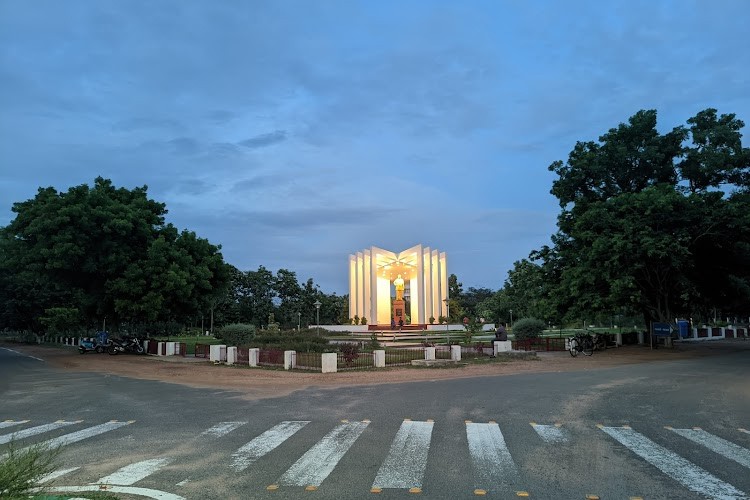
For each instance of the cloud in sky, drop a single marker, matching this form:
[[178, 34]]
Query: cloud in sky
[[294, 133]]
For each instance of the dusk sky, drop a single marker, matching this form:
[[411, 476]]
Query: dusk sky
[[294, 133]]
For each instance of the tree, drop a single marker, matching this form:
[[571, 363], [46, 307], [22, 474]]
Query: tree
[[105, 252], [644, 216]]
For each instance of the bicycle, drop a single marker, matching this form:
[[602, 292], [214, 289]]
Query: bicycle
[[582, 342]]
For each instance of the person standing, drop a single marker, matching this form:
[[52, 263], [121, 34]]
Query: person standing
[[500, 333]]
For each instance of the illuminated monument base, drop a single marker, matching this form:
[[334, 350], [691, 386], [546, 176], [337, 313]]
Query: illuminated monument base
[[418, 275]]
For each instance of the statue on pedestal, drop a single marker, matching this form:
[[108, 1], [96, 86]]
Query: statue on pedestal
[[399, 283]]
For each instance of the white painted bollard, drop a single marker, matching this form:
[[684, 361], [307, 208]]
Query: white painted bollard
[[723, 333], [456, 352], [695, 332], [640, 338], [215, 353], [618, 339], [170, 348], [290, 359], [328, 362], [254, 355], [502, 346], [231, 355], [159, 348], [429, 353], [145, 345], [378, 358]]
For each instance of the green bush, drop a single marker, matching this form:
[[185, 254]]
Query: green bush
[[290, 340], [236, 334], [528, 328], [22, 470]]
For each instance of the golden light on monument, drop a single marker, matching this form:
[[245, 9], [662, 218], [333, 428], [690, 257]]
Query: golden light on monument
[[418, 275]]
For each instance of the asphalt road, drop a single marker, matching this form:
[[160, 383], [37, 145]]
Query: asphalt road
[[669, 430]]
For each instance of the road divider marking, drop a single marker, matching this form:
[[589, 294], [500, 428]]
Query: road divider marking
[[131, 474], [222, 429], [406, 462], [684, 472], [551, 433], [266, 442], [128, 490], [717, 445], [319, 461], [493, 464], [33, 431], [22, 354]]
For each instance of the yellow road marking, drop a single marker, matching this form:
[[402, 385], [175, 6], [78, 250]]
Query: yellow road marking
[[311, 488], [415, 490], [480, 492], [272, 487], [376, 490]]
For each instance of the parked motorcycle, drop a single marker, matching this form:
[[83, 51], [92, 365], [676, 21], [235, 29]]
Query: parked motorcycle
[[125, 344]]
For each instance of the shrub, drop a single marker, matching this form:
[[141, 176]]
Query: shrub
[[21, 471], [442, 320], [237, 334], [432, 320], [528, 328], [356, 319], [350, 352], [363, 321], [290, 340]]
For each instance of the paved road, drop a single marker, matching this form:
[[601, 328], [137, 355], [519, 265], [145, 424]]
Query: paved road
[[670, 430]]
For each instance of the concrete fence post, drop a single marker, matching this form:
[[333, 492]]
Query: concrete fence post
[[171, 348], [145, 345], [456, 352], [231, 355], [253, 356], [618, 339], [723, 333], [502, 346], [328, 362], [378, 358], [290, 359], [160, 348], [429, 353], [695, 332], [215, 352], [640, 338]]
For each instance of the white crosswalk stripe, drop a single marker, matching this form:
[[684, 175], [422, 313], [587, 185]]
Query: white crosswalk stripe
[[686, 473], [493, 464], [315, 465], [33, 431], [551, 433], [131, 474], [269, 440], [58, 473], [717, 445], [74, 437], [405, 465], [222, 429], [11, 423]]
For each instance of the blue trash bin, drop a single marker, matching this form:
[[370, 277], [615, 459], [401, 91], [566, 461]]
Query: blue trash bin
[[683, 327]]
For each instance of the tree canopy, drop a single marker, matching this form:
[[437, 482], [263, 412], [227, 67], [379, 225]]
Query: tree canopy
[[653, 223], [96, 253]]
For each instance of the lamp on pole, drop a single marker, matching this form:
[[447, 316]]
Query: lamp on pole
[[299, 320], [511, 318], [447, 320], [317, 305]]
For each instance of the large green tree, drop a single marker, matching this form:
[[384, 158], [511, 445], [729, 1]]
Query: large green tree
[[105, 252], [653, 223]]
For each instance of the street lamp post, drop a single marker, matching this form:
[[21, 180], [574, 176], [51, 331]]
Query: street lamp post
[[511, 318], [299, 321], [447, 320], [317, 305]]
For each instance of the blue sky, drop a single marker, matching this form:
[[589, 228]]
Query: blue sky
[[294, 133]]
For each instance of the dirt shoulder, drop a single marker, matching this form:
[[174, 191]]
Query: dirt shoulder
[[260, 383]]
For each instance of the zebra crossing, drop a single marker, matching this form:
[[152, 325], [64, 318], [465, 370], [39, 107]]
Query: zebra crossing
[[494, 463]]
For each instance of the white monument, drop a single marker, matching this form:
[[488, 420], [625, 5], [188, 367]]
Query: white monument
[[419, 274]]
